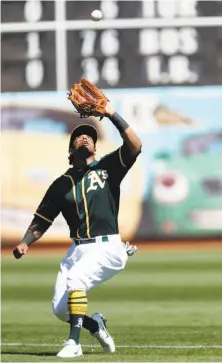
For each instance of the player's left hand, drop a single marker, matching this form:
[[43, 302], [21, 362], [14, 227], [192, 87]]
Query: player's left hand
[[88, 99], [110, 110]]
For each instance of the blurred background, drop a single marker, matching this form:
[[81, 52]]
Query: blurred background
[[160, 63]]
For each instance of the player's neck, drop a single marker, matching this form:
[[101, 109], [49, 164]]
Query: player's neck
[[81, 164], [90, 159]]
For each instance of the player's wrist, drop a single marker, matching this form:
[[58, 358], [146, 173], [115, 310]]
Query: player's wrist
[[29, 238], [119, 122], [110, 110], [110, 114]]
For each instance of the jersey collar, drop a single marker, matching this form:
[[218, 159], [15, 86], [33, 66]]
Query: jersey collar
[[89, 166]]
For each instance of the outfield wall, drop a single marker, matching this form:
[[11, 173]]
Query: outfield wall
[[173, 191]]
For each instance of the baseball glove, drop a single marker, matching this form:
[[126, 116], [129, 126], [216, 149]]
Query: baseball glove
[[87, 99]]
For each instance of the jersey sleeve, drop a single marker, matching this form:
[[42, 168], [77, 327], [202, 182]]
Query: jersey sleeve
[[118, 163], [50, 206]]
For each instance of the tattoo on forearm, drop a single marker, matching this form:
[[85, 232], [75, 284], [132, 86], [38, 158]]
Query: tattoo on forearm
[[33, 227], [35, 231], [29, 237]]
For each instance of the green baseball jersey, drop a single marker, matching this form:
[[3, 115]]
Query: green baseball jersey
[[89, 199]]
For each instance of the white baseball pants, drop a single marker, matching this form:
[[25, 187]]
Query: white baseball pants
[[86, 266]]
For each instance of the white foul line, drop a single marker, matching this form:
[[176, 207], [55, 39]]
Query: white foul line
[[121, 346]]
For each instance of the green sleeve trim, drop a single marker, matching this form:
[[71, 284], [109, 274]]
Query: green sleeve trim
[[120, 158], [46, 219]]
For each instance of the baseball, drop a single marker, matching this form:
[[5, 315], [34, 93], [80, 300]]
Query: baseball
[[96, 15]]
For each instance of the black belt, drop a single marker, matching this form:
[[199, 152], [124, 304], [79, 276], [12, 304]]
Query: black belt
[[89, 240]]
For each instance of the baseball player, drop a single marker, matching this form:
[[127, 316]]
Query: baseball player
[[87, 195]]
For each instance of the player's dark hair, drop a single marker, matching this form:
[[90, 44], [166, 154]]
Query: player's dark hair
[[71, 140], [70, 158]]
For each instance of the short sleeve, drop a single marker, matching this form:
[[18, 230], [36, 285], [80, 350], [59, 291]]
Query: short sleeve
[[50, 206], [118, 163]]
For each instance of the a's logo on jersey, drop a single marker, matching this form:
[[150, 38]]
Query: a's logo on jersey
[[97, 179]]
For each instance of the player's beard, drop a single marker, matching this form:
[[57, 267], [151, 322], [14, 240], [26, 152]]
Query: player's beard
[[80, 157]]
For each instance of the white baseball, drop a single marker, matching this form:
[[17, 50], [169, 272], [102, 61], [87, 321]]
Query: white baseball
[[96, 15]]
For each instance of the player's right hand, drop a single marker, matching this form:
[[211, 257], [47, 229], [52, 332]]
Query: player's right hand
[[20, 250], [130, 249]]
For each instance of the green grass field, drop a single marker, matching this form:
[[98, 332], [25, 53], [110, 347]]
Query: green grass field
[[165, 306]]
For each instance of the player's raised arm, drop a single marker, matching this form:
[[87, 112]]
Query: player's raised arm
[[89, 100], [127, 133]]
